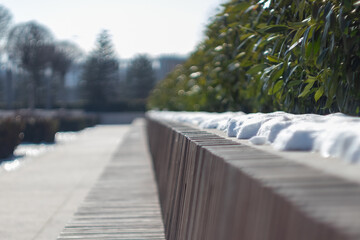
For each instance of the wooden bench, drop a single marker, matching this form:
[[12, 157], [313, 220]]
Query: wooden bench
[[214, 188]]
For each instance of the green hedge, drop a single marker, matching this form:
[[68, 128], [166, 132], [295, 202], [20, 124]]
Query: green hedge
[[38, 126], [10, 135], [40, 129], [298, 56], [76, 123]]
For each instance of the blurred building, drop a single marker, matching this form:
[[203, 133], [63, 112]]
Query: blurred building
[[10, 78], [123, 66], [72, 83], [164, 64]]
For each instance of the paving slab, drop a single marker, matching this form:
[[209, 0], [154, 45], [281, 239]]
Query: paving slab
[[39, 198]]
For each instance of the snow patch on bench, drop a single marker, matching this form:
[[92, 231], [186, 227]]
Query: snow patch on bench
[[333, 135]]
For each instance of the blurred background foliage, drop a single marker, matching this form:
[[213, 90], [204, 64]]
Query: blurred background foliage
[[38, 71], [299, 56]]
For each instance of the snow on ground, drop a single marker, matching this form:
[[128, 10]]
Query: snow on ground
[[333, 135]]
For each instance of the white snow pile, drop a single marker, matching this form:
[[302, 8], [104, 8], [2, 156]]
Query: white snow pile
[[333, 135]]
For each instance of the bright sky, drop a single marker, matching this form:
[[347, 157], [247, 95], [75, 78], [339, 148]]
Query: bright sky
[[137, 26]]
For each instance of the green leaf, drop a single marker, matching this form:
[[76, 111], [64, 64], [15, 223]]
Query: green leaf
[[284, 43], [315, 10], [273, 37], [251, 8], [319, 93], [269, 69], [294, 83], [256, 69], [326, 29], [291, 73], [342, 24], [298, 35], [246, 36], [247, 63], [292, 47], [233, 25], [301, 8], [262, 26], [296, 25], [333, 88], [240, 55], [316, 47], [257, 44], [332, 43], [310, 79], [306, 89], [322, 56], [238, 8], [304, 39], [276, 28], [273, 59], [276, 74], [329, 102], [278, 85], [309, 51]]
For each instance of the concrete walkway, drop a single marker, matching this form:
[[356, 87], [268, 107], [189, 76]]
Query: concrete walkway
[[39, 198]]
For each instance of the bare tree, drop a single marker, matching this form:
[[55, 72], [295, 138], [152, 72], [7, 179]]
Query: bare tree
[[64, 56], [5, 20], [7, 90], [30, 46]]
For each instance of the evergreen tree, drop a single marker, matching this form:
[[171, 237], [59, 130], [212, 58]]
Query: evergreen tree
[[140, 77], [100, 72]]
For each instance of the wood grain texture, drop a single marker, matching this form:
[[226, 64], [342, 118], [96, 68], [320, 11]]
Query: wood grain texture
[[212, 188]]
